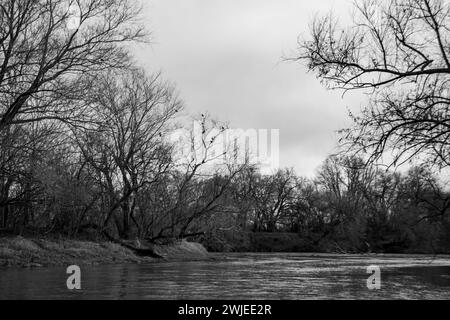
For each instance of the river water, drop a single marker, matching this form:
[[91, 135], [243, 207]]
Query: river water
[[242, 276]]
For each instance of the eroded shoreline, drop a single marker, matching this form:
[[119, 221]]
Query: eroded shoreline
[[37, 252]]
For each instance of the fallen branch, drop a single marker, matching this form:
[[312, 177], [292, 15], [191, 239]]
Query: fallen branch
[[147, 252]]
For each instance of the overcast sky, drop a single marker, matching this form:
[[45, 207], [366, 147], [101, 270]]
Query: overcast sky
[[225, 57]]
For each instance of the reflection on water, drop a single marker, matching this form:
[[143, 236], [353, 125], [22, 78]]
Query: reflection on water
[[242, 276]]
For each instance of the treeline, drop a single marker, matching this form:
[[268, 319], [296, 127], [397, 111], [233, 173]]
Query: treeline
[[117, 174], [397, 53], [124, 179], [348, 207], [87, 148], [85, 134]]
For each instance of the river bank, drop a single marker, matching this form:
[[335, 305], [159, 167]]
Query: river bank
[[265, 242], [17, 251], [35, 252]]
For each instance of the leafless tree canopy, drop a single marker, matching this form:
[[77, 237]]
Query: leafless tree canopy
[[49, 47], [398, 52], [87, 148]]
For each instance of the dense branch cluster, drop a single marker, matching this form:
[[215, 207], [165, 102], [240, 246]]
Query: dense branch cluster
[[398, 52], [84, 133], [45, 57], [86, 146], [348, 207]]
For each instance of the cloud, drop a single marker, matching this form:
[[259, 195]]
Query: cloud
[[226, 57]]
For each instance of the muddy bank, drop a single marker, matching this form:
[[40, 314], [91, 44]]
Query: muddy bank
[[30, 252]]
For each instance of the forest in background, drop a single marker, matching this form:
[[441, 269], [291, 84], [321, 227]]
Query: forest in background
[[85, 148]]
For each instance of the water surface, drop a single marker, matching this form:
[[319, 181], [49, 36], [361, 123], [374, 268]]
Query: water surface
[[242, 276]]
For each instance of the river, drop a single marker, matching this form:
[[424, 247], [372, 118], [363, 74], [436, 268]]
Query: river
[[242, 276]]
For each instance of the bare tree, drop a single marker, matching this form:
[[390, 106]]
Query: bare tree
[[270, 197], [426, 194], [49, 48], [127, 148], [22, 149], [398, 52], [202, 178]]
